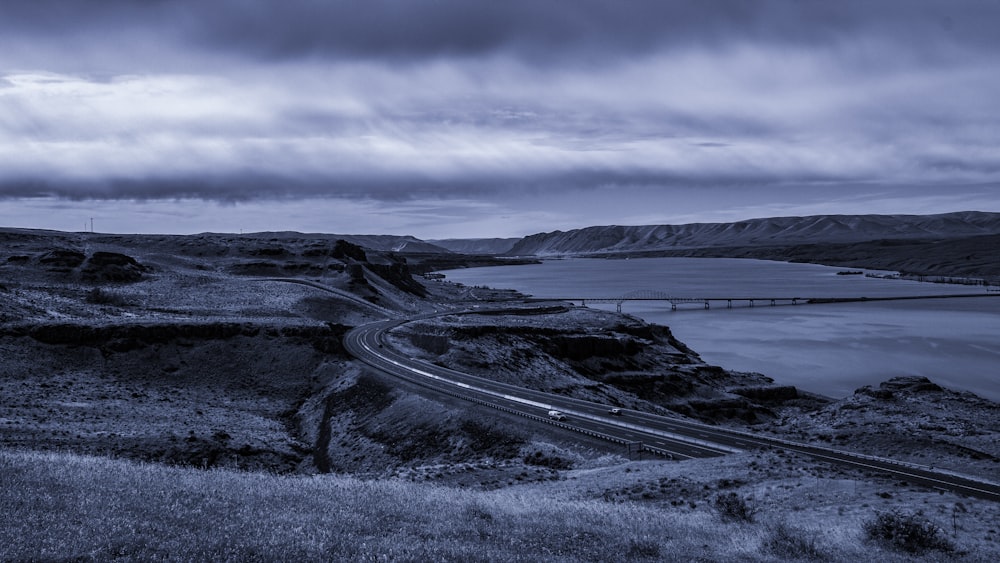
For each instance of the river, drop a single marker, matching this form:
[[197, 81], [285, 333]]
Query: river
[[831, 349]]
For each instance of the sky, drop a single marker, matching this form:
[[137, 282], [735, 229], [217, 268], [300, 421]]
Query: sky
[[468, 119]]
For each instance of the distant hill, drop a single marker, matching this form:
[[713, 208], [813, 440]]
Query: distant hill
[[477, 245], [776, 231], [403, 244], [392, 243]]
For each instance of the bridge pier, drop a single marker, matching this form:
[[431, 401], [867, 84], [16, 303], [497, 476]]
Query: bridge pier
[[751, 302], [706, 304], [772, 303], [729, 303]]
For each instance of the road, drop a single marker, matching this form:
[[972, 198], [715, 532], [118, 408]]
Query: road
[[367, 344], [675, 438]]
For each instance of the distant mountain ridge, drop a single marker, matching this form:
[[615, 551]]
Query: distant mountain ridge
[[774, 231], [403, 244], [477, 245]]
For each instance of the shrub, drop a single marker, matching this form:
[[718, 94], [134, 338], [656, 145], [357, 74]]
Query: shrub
[[98, 296], [789, 543], [734, 508], [643, 549], [912, 533]]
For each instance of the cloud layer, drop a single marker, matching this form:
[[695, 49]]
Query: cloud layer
[[498, 101]]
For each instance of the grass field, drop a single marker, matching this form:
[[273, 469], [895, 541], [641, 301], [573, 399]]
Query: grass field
[[63, 506]]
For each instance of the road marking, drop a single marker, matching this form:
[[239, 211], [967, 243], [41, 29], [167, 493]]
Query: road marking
[[526, 402]]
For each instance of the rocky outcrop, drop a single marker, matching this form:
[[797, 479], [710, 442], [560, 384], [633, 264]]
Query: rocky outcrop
[[343, 249], [360, 423], [436, 344], [100, 267], [904, 385], [582, 347], [207, 395], [124, 338], [775, 394], [390, 267], [62, 260], [268, 251], [397, 272], [112, 267], [725, 410]]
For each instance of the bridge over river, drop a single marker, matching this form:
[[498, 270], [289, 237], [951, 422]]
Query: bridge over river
[[729, 302]]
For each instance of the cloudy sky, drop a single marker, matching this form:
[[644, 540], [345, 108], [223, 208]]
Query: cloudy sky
[[461, 118]]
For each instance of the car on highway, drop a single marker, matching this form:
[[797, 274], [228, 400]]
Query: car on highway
[[615, 411], [557, 415]]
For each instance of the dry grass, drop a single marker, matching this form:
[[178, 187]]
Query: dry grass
[[56, 506], [174, 401]]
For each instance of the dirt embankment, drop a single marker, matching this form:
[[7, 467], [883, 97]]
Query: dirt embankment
[[199, 394], [257, 397], [361, 423]]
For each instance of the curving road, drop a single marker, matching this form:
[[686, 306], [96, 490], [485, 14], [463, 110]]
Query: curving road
[[367, 344], [675, 438]]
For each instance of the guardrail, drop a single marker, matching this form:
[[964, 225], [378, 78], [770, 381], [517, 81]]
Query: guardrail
[[678, 437], [593, 433], [809, 449], [544, 419], [660, 433], [798, 446]]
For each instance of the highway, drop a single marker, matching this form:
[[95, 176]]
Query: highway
[[665, 436], [367, 344]]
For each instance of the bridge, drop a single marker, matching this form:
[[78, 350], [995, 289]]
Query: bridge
[[706, 302]]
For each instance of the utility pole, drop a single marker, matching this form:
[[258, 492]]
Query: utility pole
[[91, 224]]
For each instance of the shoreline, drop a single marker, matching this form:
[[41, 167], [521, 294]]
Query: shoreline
[[880, 370]]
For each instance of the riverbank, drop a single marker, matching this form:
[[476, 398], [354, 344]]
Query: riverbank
[[831, 348], [967, 260]]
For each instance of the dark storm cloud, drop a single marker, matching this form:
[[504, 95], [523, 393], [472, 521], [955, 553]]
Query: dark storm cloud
[[385, 186], [393, 100], [537, 31]]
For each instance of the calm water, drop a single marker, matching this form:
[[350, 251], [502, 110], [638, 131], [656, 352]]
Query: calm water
[[829, 349]]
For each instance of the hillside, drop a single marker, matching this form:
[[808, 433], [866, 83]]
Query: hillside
[[776, 231], [976, 257], [197, 350], [403, 244], [477, 245], [164, 395]]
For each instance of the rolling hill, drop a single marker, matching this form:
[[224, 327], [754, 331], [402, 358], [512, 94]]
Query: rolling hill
[[775, 231]]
